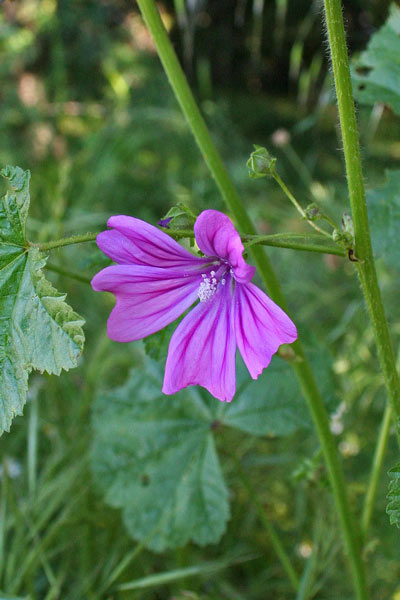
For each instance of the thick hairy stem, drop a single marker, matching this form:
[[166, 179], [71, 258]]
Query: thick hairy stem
[[363, 247]]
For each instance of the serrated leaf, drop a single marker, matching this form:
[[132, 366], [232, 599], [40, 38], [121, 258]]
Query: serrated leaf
[[384, 215], [154, 455], [38, 330], [155, 458], [393, 507], [376, 73]]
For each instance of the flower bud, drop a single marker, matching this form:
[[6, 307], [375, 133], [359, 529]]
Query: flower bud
[[261, 163]]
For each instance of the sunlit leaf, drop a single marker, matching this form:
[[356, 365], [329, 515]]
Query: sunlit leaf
[[38, 330], [384, 216], [376, 73]]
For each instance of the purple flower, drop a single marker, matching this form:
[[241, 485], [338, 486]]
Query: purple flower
[[156, 280]]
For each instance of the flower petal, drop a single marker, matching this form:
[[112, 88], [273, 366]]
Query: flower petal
[[133, 241], [216, 236], [260, 327], [148, 298], [202, 349]]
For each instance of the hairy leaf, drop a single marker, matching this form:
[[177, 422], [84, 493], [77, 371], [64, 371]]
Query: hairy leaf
[[154, 455], [393, 507], [38, 330], [384, 216], [376, 73]]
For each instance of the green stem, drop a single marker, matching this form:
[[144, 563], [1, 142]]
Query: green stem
[[269, 528], [233, 201], [293, 241], [68, 273], [293, 200], [363, 247], [68, 241], [376, 470]]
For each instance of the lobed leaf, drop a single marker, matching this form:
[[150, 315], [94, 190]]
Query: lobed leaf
[[38, 330], [376, 73], [154, 456]]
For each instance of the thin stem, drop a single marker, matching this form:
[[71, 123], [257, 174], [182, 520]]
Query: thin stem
[[363, 247], [297, 242], [269, 528], [376, 470], [293, 241], [293, 200], [302, 369], [68, 273], [68, 241]]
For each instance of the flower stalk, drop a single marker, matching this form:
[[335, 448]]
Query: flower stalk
[[302, 369]]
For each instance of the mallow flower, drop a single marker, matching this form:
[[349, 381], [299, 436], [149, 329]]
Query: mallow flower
[[156, 280]]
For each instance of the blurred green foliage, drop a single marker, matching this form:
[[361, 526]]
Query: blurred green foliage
[[86, 107]]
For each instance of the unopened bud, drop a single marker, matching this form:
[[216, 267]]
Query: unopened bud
[[313, 212], [261, 163]]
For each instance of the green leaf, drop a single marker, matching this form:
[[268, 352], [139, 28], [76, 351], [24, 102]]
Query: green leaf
[[384, 216], [393, 507], [155, 458], [376, 73], [38, 330], [156, 345], [154, 455], [179, 216], [273, 404]]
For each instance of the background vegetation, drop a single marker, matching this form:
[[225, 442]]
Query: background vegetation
[[85, 106]]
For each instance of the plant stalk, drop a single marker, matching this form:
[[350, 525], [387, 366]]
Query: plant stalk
[[303, 371], [293, 200], [363, 248], [68, 241]]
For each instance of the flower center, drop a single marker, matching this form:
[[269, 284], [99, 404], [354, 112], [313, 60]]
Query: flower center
[[210, 283]]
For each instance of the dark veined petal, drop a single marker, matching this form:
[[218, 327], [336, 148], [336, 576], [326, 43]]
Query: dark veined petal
[[260, 327], [135, 242], [216, 236], [202, 349], [148, 298]]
